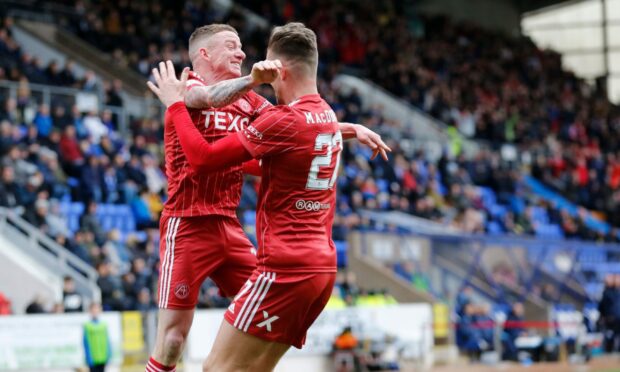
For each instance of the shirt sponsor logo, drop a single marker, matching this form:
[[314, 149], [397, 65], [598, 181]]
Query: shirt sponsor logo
[[225, 121], [255, 132], [310, 206], [265, 104]]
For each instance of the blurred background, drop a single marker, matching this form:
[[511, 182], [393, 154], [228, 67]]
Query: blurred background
[[489, 240]]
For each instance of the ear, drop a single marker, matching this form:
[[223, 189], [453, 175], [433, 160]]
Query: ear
[[204, 53], [283, 73]]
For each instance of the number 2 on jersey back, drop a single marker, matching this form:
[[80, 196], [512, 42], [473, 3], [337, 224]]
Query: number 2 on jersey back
[[331, 141]]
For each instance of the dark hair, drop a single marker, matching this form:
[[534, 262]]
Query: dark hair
[[295, 43]]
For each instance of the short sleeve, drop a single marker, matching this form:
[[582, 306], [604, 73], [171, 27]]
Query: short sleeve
[[273, 132]]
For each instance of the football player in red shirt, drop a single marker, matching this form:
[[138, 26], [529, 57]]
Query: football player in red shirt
[[299, 143], [200, 233]]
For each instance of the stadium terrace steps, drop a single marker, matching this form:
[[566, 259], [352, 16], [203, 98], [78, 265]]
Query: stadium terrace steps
[[38, 264], [372, 274], [85, 55]]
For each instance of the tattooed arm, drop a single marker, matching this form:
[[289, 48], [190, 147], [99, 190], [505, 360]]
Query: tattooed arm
[[218, 95], [228, 91]]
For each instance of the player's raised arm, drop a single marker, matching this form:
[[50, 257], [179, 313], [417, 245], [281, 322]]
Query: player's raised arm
[[366, 137], [201, 155], [228, 91]]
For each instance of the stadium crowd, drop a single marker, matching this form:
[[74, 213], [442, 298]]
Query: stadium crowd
[[490, 86], [54, 154]]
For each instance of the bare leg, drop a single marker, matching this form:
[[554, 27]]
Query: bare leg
[[236, 351], [172, 329]]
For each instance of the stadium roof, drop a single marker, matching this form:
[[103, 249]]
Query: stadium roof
[[531, 5]]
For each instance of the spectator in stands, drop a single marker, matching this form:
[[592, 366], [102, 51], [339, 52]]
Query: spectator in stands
[[56, 222], [344, 351], [10, 191], [38, 216], [513, 328], [145, 301], [145, 219], [112, 294], [95, 127], [71, 152], [114, 93], [9, 112], [89, 222], [463, 299], [117, 252], [72, 301], [605, 308], [37, 306], [93, 179], [469, 334], [43, 121]]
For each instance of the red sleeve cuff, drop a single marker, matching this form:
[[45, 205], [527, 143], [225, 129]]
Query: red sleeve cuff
[[177, 107]]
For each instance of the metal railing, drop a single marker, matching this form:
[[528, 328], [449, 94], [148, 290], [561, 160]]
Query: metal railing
[[49, 253], [54, 95]]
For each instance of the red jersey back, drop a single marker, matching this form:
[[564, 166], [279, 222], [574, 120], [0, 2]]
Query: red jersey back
[[193, 193], [300, 147]]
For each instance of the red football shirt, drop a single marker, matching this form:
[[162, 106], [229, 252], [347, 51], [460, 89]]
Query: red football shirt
[[192, 193], [300, 146]]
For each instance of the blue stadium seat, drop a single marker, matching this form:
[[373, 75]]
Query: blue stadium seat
[[494, 228], [249, 217], [72, 212], [341, 253], [383, 185], [550, 231], [488, 196], [539, 214], [498, 211]]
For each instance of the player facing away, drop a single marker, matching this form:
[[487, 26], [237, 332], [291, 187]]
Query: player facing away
[[200, 233], [299, 143]]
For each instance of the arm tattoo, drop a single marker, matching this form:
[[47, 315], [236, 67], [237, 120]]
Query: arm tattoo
[[220, 94]]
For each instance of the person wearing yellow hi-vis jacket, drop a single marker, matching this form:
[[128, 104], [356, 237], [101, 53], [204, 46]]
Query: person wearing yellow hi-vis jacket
[[96, 341]]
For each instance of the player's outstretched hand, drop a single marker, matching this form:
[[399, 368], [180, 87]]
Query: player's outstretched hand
[[265, 72], [168, 88], [372, 140]]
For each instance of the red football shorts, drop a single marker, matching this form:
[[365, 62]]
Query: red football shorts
[[280, 307], [194, 248]]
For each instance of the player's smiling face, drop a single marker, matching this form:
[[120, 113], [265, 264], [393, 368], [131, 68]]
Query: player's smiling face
[[225, 53]]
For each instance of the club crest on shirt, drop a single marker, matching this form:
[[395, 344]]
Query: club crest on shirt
[[244, 105]]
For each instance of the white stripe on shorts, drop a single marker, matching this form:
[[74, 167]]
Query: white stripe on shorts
[[259, 282], [271, 277], [163, 264], [169, 261]]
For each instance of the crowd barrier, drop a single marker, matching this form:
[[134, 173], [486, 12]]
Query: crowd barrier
[[54, 341]]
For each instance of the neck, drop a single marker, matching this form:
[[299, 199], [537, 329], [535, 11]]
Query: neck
[[211, 76], [294, 89]]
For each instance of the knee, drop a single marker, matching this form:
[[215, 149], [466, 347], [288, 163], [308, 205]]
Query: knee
[[173, 342]]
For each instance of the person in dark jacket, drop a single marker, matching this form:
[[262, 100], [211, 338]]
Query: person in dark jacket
[[606, 319]]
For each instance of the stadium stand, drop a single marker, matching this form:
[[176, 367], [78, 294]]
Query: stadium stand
[[98, 192]]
